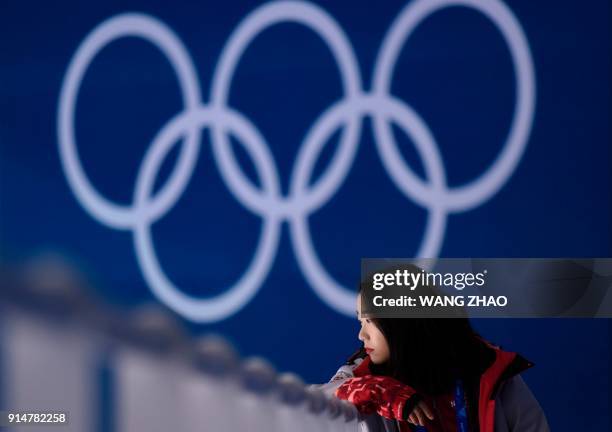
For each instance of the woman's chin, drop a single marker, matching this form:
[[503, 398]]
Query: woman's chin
[[375, 360], [378, 361]]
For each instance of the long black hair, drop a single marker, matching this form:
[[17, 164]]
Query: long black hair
[[430, 354]]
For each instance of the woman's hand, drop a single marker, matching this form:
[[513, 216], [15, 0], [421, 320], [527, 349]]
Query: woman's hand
[[419, 413], [387, 396]]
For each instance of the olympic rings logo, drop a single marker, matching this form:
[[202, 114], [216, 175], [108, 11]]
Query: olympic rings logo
[[268, 202]]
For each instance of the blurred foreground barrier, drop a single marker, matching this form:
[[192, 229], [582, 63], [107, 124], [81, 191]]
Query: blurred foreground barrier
[[47, 360], [63, 351]]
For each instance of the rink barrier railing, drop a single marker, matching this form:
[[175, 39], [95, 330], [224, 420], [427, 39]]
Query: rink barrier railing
[[148, 344]]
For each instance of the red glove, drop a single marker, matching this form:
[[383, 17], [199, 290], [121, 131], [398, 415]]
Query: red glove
[[382, 394]]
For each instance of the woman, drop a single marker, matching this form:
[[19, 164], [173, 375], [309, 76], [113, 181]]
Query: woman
[[436, 375]]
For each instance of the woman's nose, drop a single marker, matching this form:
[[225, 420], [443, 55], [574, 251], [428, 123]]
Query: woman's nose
[[362, 335]]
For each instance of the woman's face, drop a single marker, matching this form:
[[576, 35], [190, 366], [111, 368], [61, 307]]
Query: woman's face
[[373, 339]]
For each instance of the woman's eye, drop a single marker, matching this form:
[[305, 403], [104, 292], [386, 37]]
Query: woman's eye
[[368, 320]]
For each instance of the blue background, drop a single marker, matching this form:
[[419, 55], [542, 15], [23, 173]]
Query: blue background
[[455, 71]]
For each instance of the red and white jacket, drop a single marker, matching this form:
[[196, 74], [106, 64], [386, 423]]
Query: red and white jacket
[[505, 402]]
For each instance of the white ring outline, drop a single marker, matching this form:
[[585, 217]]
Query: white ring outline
[[156, 32], [332, 293], [476, 192], [262, 18], [236, 297]]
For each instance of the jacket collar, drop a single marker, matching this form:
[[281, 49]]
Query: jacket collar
[[506, 365]]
